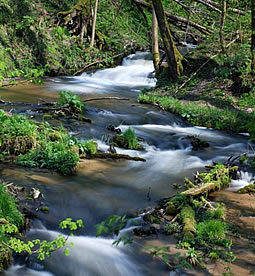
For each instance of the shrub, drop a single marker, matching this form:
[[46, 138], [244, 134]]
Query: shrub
[[52, 155], [88, 147], [171, 228], [69, 100]]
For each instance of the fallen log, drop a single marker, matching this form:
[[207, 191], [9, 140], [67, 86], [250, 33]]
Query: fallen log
[[187, 215], [174, 18], [106, 155], [210, 6], [204, 188], [217, 5]]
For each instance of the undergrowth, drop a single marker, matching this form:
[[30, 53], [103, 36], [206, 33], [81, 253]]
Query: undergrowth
[[40, 145], [220, 119]]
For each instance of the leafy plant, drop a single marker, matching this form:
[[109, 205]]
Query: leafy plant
[[171, 228], [52, 155], [69, 100]]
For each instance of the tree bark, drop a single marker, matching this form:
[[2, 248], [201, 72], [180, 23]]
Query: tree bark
[[222, 25], [155, 45], [94, 24], [173, 56], [253, 37]]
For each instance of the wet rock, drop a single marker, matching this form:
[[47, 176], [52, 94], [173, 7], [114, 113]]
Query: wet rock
[[145, 231], [151, 219], [197, 143], [36, 194], [170, 209], [113, 129], [5, 258], [44, 209]]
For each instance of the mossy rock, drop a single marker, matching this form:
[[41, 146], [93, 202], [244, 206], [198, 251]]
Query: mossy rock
[[170, 208], [44, 209], [198, 144], [5, 258], [151, 219], [247, 189]]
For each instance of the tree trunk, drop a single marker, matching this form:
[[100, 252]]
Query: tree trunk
[[155, 46], [253, 36], [222, 25], [94, 24], [173, 56]]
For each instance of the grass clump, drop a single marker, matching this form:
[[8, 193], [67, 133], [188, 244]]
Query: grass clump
[[220, 119], [17, 134], [211, 231], [8, 208], [127, 140], [68, 100]]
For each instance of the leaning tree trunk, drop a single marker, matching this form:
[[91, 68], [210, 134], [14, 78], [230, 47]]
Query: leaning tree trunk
[[253, 36], [155, 46], [222, 25], [173, 56], [94, 24]]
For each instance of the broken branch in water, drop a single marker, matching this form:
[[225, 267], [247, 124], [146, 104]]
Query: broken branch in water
[[109, 155], [106, 98]]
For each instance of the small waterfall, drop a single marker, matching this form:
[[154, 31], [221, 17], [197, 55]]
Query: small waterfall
[[244, 179], [135, 73]]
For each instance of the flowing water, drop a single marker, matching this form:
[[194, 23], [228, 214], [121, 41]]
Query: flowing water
[[102, 188]]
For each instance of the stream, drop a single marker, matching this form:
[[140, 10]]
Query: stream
[[102, 188]]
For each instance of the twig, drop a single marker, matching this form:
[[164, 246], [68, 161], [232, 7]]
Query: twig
[[106, 98]]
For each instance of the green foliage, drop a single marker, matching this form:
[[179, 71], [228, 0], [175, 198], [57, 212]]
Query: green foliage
[[39, 145], [131, 138], [211, 231], [88, 147], [41, 248], [127, 140], [8, 208], [214, 255], [69, 100], [193, 256], [112, 224], [221, 119], [160, 252], [52, 155], [238, 63], [171, 228], [247, 99]]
